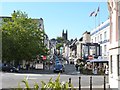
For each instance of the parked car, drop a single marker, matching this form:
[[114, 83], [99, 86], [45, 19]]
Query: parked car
[[7, 68], [59, 68]]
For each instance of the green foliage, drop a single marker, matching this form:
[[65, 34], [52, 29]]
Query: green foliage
[[51, 85], [21, 37], [60, 40], [26, 84], [59, 45]]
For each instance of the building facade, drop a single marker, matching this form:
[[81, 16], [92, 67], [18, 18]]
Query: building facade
[[86, 37], [114, 51], [66, 51], [101, 35], [79, 48]]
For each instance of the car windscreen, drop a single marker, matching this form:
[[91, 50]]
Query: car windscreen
[[58, 66]]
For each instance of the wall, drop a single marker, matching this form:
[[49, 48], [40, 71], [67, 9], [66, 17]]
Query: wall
[[79, 49], [86, 37], [114, 78]]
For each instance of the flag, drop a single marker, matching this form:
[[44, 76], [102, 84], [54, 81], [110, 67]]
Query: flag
[[91, 14], [97, 11]]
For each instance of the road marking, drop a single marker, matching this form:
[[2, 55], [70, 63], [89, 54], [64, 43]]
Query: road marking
[[28, 75], [49, 75]]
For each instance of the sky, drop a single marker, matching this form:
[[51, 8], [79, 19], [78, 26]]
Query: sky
[[71, 16]]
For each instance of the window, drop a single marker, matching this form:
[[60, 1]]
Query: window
[[100, 37], [92, 40], [95, 39], [119, 26], [105, 35], [111, 65], [100, 50], [105, 48], [118, 59]]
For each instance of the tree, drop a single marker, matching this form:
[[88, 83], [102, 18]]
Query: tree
[[21, 37], [59, 45], [60, 40]]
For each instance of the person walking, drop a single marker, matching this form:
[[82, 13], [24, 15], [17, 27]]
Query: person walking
[[76, 67]]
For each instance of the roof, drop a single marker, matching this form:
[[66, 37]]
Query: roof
[[86, 32], [81, 39]]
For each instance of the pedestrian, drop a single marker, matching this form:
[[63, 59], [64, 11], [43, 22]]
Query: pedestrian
[[27, 66], [76, 67], [106, 69], [95, 70]]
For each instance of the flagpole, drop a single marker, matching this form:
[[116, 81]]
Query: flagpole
[[95, 22], [99, 21], [99, 16], [95, 19]]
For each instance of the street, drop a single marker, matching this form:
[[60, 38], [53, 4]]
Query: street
[[12, 80]]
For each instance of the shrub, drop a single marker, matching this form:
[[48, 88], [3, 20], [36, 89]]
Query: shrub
[[51, 85]]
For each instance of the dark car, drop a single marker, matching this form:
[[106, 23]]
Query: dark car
[[59, 68], [7, 68]]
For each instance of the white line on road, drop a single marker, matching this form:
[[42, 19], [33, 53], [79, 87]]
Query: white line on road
[[28, 75], [40, 75]]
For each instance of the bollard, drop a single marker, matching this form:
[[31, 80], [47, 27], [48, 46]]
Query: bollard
[[104, 82], [69, 82], [91, 83], [79, 83]]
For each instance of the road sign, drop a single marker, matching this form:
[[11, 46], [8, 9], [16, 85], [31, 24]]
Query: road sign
[[44, 57]]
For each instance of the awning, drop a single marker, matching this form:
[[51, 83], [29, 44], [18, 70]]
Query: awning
[[98, 60]]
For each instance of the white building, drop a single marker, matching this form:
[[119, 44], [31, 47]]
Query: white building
[[101, 35], [53, 43], [86, 37], [114, 51], [66, 52], [79, 49]]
